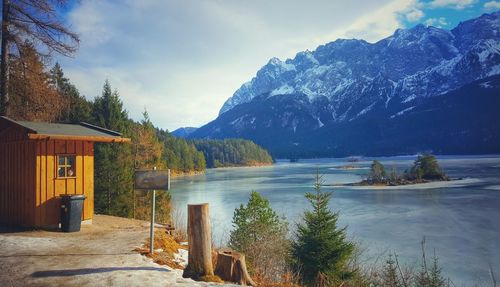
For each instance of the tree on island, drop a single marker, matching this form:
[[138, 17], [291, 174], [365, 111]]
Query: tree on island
[[377, 172], [321, 250], [426, 167]]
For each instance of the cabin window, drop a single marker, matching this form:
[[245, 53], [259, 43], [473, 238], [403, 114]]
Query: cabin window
[[66, 166]]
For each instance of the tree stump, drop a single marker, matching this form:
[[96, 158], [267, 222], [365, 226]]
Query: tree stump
[[231, 267], [200, 242]]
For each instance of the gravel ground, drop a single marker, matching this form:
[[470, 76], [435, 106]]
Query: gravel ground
[[99, 255]]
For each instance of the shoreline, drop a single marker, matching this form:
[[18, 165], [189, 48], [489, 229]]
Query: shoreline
[[369, 157], [177, 174], [424, 185], [238, 166]]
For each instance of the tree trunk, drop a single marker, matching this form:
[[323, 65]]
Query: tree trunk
[[4, 65], [231, 267], [200, 242]]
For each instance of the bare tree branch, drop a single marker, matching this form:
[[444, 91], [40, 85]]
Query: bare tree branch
[[38, 22]]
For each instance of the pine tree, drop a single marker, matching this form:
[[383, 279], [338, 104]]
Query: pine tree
[[426, 167], [77, 108], [390, 275], [435, 277], [321, 248], [148, 152], [114, 164]]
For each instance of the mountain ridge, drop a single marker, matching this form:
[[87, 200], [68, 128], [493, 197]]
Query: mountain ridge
[[347, 80]]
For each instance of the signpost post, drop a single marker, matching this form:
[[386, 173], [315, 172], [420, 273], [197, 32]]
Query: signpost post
[[152, 227], [152, 180]]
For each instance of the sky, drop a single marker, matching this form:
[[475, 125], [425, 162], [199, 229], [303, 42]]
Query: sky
[[182, 59]]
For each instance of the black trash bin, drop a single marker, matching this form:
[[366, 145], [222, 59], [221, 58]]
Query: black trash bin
[[71, 212]]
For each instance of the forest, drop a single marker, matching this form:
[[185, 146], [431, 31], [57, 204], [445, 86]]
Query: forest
[[232, 152], [37, 93]]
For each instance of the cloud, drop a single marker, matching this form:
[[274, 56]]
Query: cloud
[[492, 5], [437, 22], [455, 4], [414, 15], [182, 59]]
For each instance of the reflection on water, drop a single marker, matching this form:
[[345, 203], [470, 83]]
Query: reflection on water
[[461, 223]]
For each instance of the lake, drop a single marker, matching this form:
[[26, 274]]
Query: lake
[[460, 223]]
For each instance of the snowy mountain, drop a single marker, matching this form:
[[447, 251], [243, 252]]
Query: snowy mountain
[[346, 81]]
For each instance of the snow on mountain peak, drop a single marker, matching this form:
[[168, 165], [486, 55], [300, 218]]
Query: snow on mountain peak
[[417, 62]]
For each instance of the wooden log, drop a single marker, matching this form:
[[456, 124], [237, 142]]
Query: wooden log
[[200, 242], [231, 266]]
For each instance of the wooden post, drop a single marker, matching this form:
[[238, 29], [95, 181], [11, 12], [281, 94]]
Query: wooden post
[[231, 266], [200, 242]]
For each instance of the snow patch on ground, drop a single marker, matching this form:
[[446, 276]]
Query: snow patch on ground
[[101, 254], [181, 257]]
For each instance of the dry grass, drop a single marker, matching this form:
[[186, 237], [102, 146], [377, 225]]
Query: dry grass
[[288, 279], [267, 260], [211, 278], [168, 245], [179, 222]]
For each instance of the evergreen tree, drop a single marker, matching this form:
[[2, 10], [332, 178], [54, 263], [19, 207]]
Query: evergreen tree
[[148, 154], [114, 166], [260, 234], [435, 277], [321, 248], [77, 108], [377, 172], [252, 222], [426, 167], [180, 155], [390, 276]]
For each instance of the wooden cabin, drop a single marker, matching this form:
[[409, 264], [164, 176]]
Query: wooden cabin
[[39, 162]]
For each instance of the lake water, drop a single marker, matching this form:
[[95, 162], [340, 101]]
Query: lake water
[[462, 224]]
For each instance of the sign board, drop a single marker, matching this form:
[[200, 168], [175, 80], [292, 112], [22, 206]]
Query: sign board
[[152, 179]]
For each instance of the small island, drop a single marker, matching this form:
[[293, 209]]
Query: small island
[[425, 169]]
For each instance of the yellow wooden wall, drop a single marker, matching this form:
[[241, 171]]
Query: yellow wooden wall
[[49, 188], [29, 188]]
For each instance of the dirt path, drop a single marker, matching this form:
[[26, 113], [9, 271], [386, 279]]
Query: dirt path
[[99, 255]]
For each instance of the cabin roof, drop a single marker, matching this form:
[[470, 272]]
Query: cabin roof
[[81, 131]]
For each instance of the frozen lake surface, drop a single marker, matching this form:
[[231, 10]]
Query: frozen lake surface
[[460, 220]]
